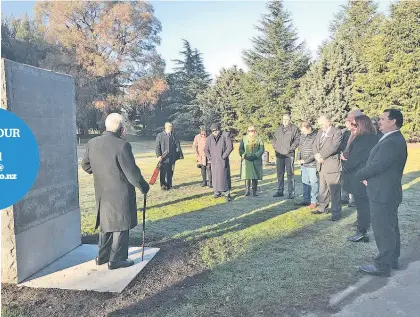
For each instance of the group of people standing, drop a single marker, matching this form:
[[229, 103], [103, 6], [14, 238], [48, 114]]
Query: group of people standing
[[364, 161], [361, 165]]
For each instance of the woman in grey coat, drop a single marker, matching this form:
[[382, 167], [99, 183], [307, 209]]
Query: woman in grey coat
[[217, 149]]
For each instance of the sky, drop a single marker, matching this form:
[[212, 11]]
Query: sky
[[221, 30]]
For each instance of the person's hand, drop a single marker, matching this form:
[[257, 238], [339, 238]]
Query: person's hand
[[252, 157], [342, 157], [160, 158], [146, 189], [364, 182], [301, 162], [318, 156]]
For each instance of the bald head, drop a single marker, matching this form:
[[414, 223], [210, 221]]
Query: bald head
[[114, 122]]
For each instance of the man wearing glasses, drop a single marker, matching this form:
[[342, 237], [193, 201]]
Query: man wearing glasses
[[217, 149]]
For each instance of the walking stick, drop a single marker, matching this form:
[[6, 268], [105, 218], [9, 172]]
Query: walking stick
[[144, 226]]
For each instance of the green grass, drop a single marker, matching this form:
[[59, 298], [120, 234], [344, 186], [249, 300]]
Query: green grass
[[263, 255]]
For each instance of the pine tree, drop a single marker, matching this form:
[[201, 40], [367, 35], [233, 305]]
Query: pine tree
[[276, 61], [224, 101], [330, 80], [392, 76], [189, 80]]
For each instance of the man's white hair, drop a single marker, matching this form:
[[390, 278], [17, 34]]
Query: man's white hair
[[354, 113], [114, 122]]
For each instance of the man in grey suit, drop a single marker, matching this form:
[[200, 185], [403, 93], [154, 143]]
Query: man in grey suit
[[115, 173], [326, 148], [382, 176]]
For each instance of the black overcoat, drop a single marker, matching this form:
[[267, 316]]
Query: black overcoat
[[115, 173]]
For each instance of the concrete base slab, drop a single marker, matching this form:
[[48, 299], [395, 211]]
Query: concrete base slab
[[77, 270]]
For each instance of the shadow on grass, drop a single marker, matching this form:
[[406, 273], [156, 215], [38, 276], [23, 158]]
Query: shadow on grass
[[182, 297]]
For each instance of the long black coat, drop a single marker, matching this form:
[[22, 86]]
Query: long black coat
[[110, 159], [217, 150], [358, 154], [384, 169], [169, 144]]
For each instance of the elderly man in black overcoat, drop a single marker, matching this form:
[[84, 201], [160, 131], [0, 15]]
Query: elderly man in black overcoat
[[110, 159]]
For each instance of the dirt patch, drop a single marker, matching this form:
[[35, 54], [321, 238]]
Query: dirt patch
[[174, 269]]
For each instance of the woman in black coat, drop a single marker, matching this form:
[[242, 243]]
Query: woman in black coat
[[365, 139]]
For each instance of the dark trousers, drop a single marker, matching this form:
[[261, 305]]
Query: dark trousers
[[285, 164], [113, 246], [251, 183], [166, 174], [206, 172], [330, 190], [387, 233], [363, 212]]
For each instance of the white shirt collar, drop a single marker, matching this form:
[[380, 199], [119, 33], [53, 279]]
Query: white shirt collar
[[386, 134]]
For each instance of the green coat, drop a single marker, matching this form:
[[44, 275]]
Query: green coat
[[251, 169]]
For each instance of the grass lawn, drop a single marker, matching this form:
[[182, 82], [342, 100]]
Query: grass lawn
[[254, 256]]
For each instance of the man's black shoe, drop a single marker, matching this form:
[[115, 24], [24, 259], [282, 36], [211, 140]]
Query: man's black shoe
[[336, 218], [371, 269], [120, 264], [163, 187], [278, 194], [359, 237], [302, 203], [217, 195], [317, 212], [99, 262], [228, 198], [291, 196]]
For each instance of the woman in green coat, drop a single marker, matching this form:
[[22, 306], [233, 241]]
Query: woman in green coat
[[251, 150]]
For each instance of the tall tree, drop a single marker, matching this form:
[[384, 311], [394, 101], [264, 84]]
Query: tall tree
[[189, 80], [276, 61], [392, 76], [331, 78], [114, 42], [224, 101]]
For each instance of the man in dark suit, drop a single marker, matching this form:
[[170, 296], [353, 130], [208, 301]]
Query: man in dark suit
[[110, 159], [168, 151], [382, 176], [326, 148]]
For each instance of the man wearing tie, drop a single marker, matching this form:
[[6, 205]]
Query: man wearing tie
[[382, 176], [168, 151], [326, 148]]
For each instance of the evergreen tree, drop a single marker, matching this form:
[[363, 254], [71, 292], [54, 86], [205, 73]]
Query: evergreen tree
[[224, 101], [392, 76], [276, 61], [189, 80], [330, 80]]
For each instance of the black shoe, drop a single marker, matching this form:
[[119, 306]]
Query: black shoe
[[291, 196], [395, 265], [371, 269], [120, 264], [228, 198], [302, 203], [317, 212], [254, 192], [359, 237], [217, 195], [210, 185], [99, 262], [204, 184], [163, 187], [336, 218], [344, 201], [278, 194], [247, 192]]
